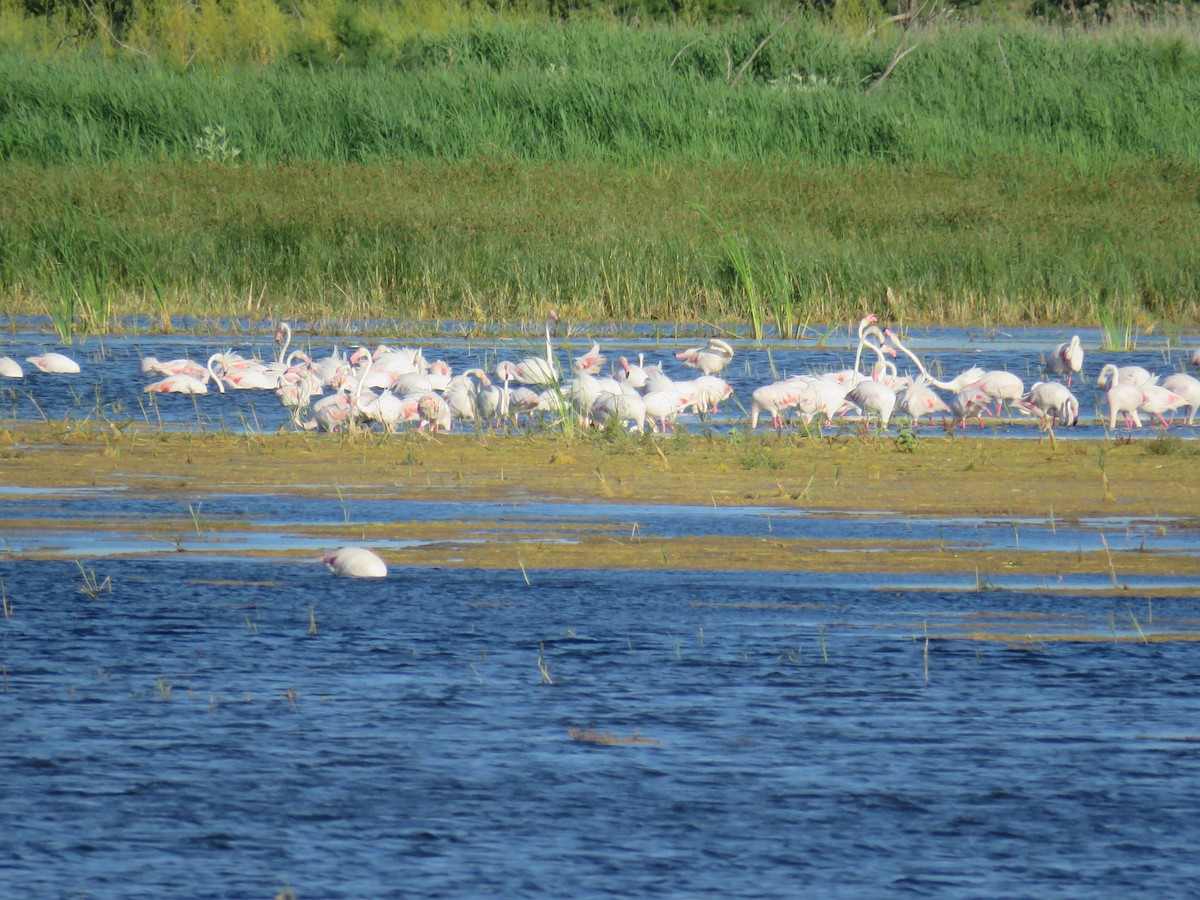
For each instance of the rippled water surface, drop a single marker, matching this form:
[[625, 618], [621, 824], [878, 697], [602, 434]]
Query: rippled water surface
[[187, 735], [202, 723]]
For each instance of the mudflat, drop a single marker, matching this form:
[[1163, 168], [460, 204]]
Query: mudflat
[[938, 477]]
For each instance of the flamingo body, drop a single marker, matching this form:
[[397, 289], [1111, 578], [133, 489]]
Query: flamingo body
[[355, 562], [10, 368], [54, 364]]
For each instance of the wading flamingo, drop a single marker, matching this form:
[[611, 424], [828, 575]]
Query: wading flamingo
[[1065, 359], [954, 385], [54, 364], [10, 368], [534, 370], [709, 359], [1188, 388], [1124, 399], [1052, 402], [354, 562]]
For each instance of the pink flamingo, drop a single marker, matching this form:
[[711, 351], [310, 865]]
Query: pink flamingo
[[54, 364], [1188, 388]]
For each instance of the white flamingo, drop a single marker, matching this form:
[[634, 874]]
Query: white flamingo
[[10, 368], [709, 359], [1065, 359], [54, 364], [355, 562], [1188, 388], [1052, 402], [1123, 399]]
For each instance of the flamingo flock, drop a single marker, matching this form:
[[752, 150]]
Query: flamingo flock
[[390, 387]]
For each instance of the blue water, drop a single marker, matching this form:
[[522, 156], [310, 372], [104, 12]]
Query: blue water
[[110, 386], [411, 748]]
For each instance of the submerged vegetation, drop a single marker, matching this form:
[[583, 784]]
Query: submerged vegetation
[[434, 160]]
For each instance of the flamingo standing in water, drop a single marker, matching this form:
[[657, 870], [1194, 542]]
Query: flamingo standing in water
[[1195, 360], [1188, 388], [1121, 398], [954, 385], [10, 368], [355, 562], [709, 359], [54, 364], [1065, 359], [1052, 402], [153, 366], [186, 383], [534, 370]]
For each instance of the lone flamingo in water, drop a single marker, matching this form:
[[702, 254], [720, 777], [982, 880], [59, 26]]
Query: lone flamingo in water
[[355, 562]]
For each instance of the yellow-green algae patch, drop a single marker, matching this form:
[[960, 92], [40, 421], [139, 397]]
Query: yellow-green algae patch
[[942, 477]]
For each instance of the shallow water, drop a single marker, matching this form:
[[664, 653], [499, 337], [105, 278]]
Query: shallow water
[[110, 385], [185, 735]]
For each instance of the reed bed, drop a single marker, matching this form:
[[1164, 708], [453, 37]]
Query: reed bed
[[749, 91], [778, 172], [1002, 241]]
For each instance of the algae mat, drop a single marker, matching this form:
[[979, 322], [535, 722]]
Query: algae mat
[[954, 482]]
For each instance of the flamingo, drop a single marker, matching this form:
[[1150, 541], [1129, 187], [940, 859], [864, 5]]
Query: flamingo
[[664, 407], [1052, 402], [435, 413], [632, 375], [969, 403], [185, 383], [1065, 359], [1157, 400], [775, 399], [54, 364], [876, 397], [283, 336], [623, 407], [1134, 375], [591, 362], [534, 370], [1121, 398], [1000, 386], [954, 385], [1195, 360], [152, 366], [355, 562], [919, 400], [1188, 388], [709, 359], [10, 368], [389, 410]]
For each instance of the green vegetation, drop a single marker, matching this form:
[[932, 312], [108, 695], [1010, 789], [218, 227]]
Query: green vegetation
[[334, 159]]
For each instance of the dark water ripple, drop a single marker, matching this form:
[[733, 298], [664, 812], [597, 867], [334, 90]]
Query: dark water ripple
[[410, 748]]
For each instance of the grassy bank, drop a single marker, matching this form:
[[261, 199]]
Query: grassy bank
[[770, 171], [1001, 241]]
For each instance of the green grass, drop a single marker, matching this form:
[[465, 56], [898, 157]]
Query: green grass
[[486, 169], [1002, 241]]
